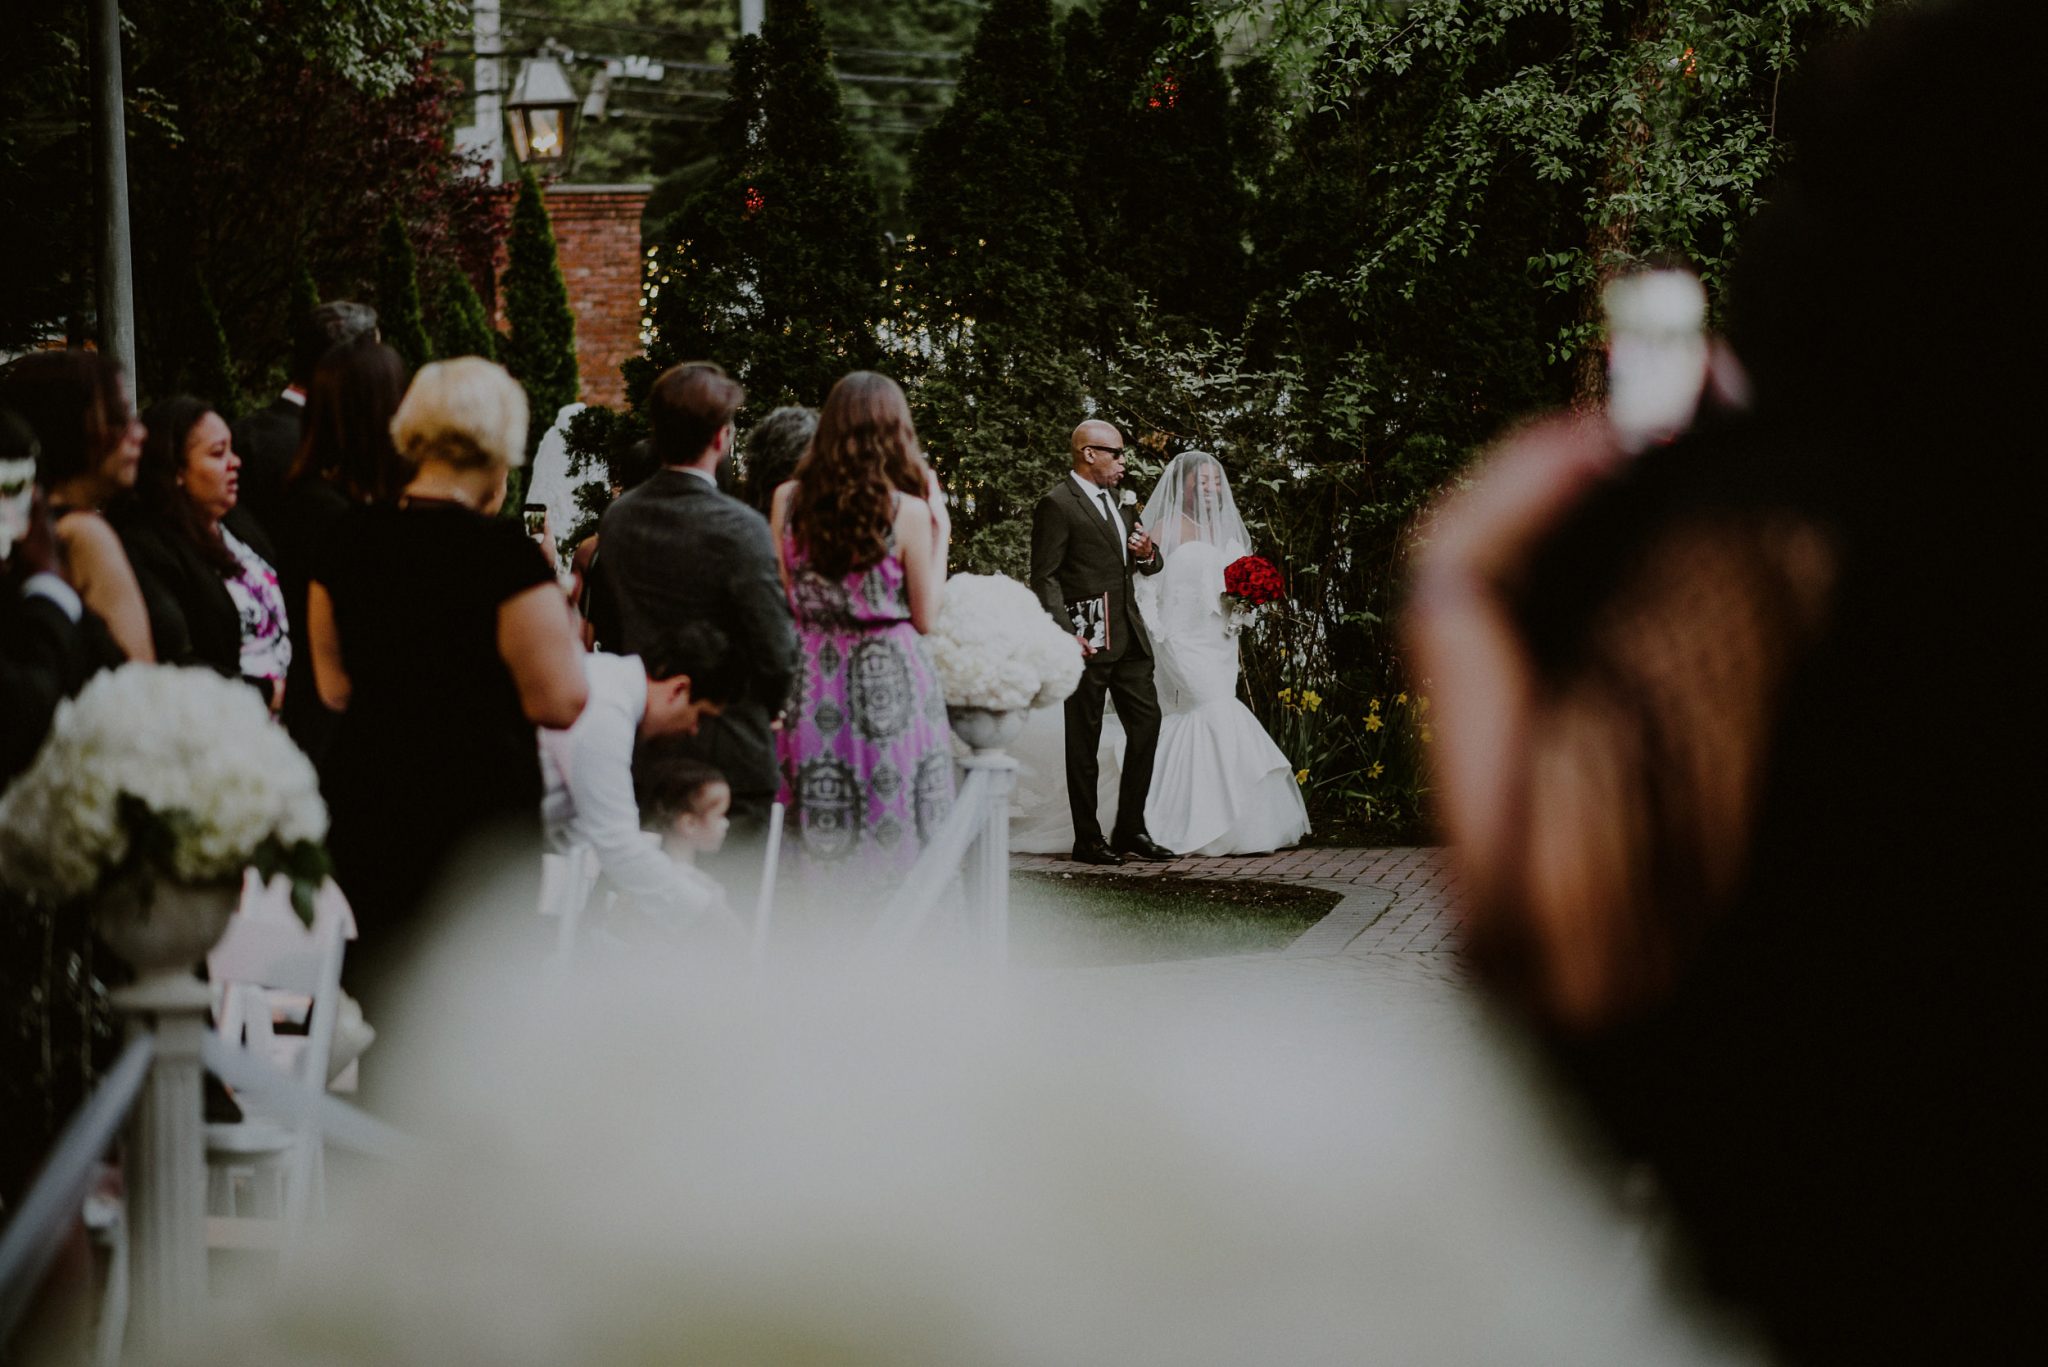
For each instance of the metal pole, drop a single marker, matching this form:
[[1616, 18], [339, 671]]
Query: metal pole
[[116, 277], [489, 128], [751, 12]]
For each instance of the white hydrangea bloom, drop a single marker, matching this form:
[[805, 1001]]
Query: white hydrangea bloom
[[184, 741], [996, 648]]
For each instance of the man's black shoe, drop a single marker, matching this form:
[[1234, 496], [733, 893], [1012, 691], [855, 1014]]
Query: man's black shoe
[[1142, 846], [1096, 852]]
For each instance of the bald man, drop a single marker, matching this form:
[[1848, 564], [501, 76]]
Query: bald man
[[1085, 546]]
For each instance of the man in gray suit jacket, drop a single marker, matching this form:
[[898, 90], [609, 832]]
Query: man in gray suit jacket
[[1085, 546], [674, 550]]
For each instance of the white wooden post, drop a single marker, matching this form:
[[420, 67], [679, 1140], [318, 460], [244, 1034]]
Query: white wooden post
[[166, 1163], [988, 870]]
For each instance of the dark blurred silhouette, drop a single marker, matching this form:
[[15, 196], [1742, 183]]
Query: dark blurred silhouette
[[1738, 749], [268, 439]]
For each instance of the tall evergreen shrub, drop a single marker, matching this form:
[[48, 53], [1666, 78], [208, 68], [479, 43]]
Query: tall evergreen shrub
[[774, 269], [986, 328], [540, 342], [461, 327], [398, 295]]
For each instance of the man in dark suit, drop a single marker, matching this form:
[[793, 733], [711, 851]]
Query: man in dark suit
[[47, 643], [1085, 546], [675, 550], [268, 439]]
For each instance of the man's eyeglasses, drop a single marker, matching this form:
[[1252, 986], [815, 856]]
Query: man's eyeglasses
[[1106, 450]]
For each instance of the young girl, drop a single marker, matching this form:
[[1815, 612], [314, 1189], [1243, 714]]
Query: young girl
[[683, 802]]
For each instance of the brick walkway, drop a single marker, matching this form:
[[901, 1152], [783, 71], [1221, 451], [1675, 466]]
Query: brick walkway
[[1396, 901]]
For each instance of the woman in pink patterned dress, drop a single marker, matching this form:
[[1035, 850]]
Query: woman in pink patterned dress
[[866, 753]]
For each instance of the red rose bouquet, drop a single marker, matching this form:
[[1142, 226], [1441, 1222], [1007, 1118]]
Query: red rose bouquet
[[1253, 581]]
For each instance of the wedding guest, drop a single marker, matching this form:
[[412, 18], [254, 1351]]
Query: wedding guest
[[769, 455], [684, 806], [867, 761], [676, 551], [269, 438], [78, 405], [684, 676], [212, 595], [55, 1026], [440, 635], [345, 459], [1763, 881], [627, 468], [46, 651]]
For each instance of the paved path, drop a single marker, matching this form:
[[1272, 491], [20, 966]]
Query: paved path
[[1396, 901]]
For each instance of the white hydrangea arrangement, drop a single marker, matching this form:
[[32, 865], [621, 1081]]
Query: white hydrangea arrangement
[[163, 773], [996, 648]]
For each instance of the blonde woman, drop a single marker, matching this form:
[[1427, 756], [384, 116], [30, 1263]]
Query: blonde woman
[[438, 632]]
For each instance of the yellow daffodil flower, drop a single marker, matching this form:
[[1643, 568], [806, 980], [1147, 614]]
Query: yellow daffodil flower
[[1376, 770], [1301, 777], [1373, 722], [1373, 706], [1422, 703], [1311, 699], [1285, 695], [1400, 699], [1426, 736]]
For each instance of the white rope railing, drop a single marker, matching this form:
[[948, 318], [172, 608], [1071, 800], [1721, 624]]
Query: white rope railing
[[972, 846], [50, 1210]]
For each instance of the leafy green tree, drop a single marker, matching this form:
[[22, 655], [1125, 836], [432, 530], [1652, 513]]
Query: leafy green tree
[[1657, 119], [461, 327], [398, 295], [540, 341], [250, 126]]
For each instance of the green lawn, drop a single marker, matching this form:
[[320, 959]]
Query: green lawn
[[1075, 920]]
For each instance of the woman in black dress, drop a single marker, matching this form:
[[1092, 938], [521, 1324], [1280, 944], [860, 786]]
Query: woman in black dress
[[438, 632], [345, 458]]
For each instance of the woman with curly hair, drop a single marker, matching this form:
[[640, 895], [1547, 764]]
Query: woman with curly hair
[[862, 533]]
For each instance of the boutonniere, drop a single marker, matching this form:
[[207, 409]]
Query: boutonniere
[[1129, 499]]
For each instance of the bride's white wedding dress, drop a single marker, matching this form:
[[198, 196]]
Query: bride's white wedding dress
[[1219, 783]]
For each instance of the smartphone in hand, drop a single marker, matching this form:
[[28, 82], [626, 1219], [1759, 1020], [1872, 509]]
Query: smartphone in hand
[[536, 516]]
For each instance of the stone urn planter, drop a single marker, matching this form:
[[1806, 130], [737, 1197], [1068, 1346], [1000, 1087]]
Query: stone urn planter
[[163, 929], [985, 730]]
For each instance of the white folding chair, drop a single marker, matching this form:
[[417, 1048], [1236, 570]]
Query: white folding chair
[[261, 964]]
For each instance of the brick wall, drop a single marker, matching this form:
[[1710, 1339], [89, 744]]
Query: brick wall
[[597, 239]]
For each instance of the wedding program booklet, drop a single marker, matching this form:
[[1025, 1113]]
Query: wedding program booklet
[[1090, 617]]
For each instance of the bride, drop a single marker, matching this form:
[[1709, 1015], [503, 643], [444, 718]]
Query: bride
[[1219, 784]]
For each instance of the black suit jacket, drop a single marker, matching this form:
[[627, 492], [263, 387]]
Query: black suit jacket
[[676, 550], [45, 657], [192, 618], [1077, 555], [268, 441]]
